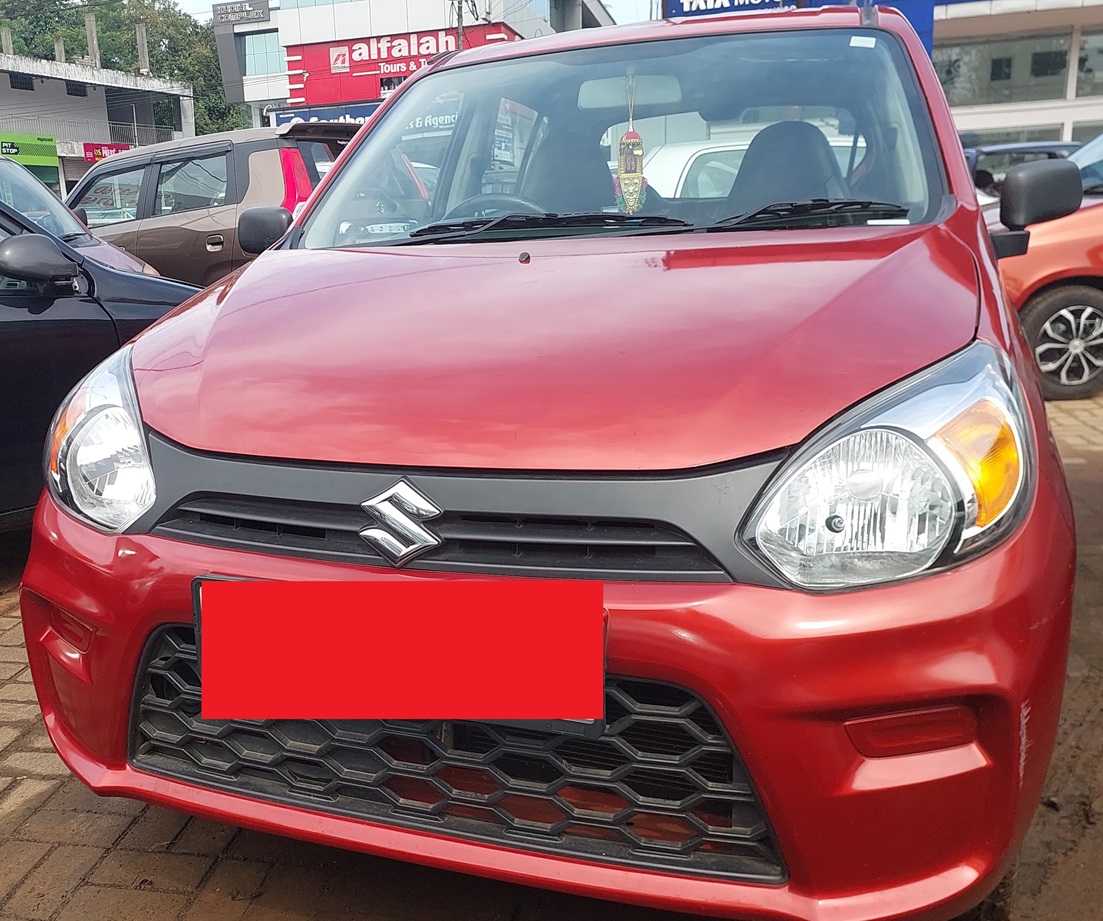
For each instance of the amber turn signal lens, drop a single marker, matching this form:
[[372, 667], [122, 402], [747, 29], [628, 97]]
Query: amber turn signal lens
[[983, 441], [65, 423]]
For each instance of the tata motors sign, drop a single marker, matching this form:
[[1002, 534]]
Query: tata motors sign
[[920, 13]]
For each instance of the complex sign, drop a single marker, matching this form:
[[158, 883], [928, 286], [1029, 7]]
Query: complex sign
[[330, 72], [93, 153], [228, 14]]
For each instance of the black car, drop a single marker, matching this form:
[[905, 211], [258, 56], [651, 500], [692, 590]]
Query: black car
[[61, 313], [990, 163]]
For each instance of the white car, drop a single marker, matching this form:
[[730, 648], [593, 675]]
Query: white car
[[706, 169]]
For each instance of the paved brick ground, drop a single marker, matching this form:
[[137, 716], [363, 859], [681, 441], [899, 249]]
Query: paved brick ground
[[67, 855]]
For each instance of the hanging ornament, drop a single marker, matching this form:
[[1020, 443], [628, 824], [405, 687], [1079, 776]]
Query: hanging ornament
[[630, 186]]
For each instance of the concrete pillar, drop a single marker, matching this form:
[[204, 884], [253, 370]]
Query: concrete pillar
[[59, 49], [5, 40], [572, 16], [143, 48], [93, 38], [187, 116]]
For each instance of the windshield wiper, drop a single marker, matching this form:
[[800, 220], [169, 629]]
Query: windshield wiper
[[456, 230], [1096, 189], [787, 213], [70, 237]]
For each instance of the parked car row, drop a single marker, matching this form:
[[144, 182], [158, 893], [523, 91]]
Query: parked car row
[[175, 205]]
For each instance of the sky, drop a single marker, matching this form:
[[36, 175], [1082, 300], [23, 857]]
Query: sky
[[622, 10]]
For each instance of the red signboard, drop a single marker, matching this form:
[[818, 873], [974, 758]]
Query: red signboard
[[370, 68], [93, 153]]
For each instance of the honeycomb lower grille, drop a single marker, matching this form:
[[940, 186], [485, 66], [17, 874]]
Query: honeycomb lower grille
[[663, 788]]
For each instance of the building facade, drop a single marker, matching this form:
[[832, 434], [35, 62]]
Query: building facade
[[1022, 70], [58, 118], [337, 59]]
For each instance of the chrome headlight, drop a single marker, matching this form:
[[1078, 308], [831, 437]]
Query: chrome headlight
[[925, 474], [97, 462]]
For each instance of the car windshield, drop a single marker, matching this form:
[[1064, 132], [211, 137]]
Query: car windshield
[[1090, 160], [727, 124], [24, 193]]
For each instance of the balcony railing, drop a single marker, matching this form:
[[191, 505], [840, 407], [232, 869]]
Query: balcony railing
[[91, 132]]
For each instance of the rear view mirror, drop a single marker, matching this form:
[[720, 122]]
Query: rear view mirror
[[37, 258], [1040, 191], [259, 228], [612, 92]]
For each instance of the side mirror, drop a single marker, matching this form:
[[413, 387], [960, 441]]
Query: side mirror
[[1040, 191], [82, 215], [35, 257], [259, 228], [1032, 193]]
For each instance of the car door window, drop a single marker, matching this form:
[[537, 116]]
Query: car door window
[[11, 286], [112, 198], [188, 185]]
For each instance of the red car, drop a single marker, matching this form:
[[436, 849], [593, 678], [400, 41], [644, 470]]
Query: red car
[[790, 425]]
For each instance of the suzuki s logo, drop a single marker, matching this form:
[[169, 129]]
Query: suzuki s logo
[[399, 512]]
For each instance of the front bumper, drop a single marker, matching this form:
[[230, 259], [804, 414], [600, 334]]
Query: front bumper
[[922, 836]]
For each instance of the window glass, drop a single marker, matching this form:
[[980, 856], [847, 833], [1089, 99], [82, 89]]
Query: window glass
[[1086, 131], [1004, 70], [1089, 66], [819, 114], [260, 53], [187, 185], [9, 286], [112, 197], [22, 191]]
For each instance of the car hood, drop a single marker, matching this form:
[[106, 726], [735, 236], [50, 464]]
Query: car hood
[[630, 353], [110, 255]]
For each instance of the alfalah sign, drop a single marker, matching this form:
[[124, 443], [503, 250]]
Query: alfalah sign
[[228, 14]]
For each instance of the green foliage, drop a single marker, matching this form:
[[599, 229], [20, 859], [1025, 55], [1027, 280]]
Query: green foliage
[[180, 47]]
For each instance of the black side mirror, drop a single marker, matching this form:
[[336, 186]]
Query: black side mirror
[[82, 215], [35, 257], [1032, 193], [259, 228], [1043, 190]]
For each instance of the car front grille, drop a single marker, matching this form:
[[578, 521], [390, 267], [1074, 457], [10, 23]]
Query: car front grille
[[563, 547], [662, 788]]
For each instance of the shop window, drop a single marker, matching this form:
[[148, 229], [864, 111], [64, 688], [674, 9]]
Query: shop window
[[1086, 131], [1089, 65]]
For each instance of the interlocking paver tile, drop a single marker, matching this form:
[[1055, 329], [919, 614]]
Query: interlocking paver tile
[[103, 903], [202, 836], [68, 827], [170, 872], [75, 796], [17, 859], [229, 891], [51, 883], [155, 830]]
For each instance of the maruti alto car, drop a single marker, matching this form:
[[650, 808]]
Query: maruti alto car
[[794, 431]]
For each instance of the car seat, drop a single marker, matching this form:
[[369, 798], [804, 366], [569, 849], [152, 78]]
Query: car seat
[[786, 161], [568, 173]]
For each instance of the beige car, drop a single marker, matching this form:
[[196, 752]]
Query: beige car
[[175, 205]]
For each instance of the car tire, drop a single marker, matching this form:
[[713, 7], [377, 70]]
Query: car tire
[[1065, 329]]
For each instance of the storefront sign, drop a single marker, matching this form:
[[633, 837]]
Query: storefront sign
[[373, 67], [353, 112], [29, 149], [228, 14], [93, 153]]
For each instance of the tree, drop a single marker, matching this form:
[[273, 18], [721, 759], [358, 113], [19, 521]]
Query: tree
[[180, 47]]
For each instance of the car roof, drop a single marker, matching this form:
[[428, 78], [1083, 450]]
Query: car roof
[[1012, 147], [757, 21], [241, 136]]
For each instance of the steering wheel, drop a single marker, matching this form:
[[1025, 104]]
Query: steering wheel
[[479, 204]]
